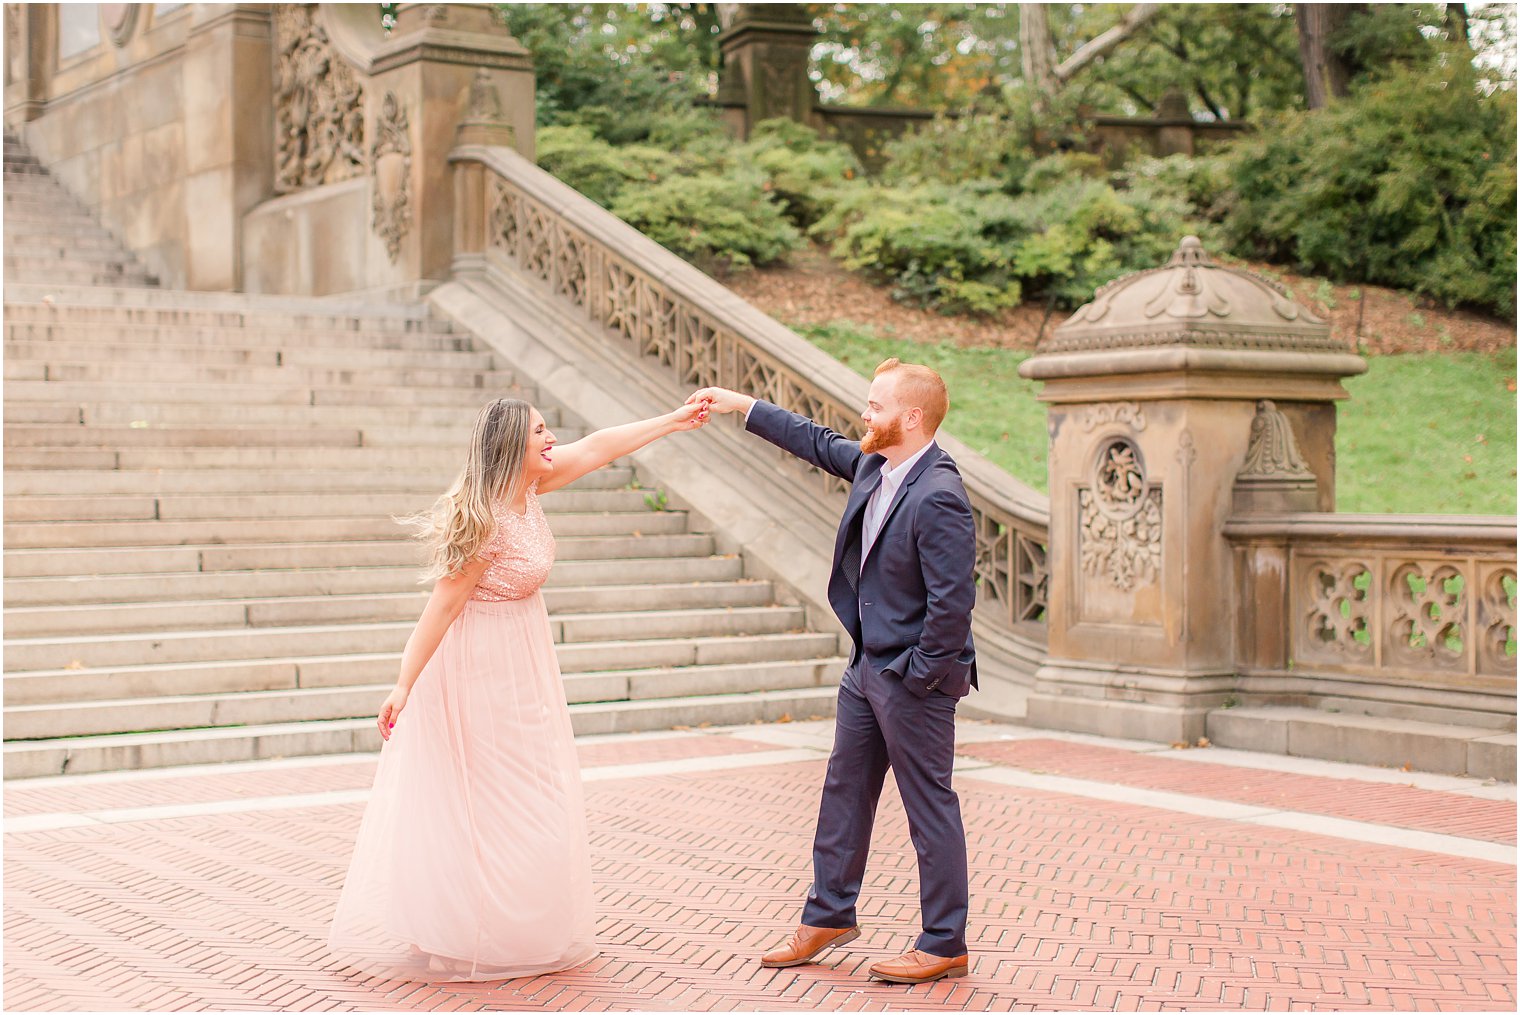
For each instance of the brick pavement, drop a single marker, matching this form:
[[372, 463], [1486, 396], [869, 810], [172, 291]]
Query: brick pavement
[[1079, 901]]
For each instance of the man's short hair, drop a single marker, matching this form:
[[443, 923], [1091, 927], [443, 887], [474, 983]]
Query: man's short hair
[[920, 387]]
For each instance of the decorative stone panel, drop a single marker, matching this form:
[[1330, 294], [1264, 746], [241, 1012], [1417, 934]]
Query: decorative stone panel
[[319, 105]]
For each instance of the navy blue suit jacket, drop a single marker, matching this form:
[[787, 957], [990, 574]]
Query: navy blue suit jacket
[[909, 608]]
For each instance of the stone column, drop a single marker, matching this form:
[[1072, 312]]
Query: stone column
[[26, 55], [1171, 385], [229, 136], [765, 63], [445, 64]]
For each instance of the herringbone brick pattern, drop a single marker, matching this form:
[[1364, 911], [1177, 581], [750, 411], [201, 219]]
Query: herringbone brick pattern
[[1357, 800], [1077, 903]]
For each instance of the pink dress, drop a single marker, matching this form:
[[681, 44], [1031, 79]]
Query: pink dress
[[472, 861]]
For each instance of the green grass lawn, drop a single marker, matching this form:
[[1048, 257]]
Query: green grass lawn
[[1429, 433]]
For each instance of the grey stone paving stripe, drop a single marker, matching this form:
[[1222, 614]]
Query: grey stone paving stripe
[[1357, 831]]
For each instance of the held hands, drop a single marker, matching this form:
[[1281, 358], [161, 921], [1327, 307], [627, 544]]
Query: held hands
[[721, 400], [394, 703], [691, 416]]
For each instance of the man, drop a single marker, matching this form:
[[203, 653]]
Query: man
[[903, 587]]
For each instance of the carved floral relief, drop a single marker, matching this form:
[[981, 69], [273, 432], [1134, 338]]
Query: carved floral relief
[[1120, 519], [391, 174], [319, 105]]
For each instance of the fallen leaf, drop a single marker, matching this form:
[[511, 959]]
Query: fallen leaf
[[1204, 742]]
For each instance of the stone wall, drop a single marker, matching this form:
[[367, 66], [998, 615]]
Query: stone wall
[[154, 114], [277, 148]]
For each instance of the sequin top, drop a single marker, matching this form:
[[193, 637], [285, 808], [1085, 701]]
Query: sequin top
[[523, 550]]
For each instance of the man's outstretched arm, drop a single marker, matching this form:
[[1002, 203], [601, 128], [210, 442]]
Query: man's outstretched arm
[[794, 434]]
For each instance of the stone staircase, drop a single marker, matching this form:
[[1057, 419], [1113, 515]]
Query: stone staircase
[[51, 237], [201, 563]]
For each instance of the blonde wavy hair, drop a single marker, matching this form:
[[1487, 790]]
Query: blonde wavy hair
[[460, 521]]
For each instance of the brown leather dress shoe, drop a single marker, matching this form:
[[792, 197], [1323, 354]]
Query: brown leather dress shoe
[[807, 944], [920, 967]]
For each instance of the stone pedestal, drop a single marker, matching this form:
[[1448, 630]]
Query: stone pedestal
[[228, 136], [422, 83], [1157, 392], [382, 217], [765, 65]]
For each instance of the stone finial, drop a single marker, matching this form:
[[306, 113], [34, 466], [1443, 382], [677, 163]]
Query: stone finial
[[485, 102], [1274, 477], [1192, 301], [1273, 453]]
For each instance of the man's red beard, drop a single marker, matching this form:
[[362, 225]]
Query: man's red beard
[[880, 437]]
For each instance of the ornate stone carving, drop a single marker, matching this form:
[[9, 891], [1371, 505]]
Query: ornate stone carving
[[319, 105], [1338, 611], [15, 60], [1193, 302], [1273, 453], [485, 102], [1428, 602], [1496, 621], [391, 174], [1120, 518], [1187, 451], [1095, 416], [120, 21]]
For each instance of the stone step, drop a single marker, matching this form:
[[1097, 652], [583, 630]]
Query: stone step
[[42, 435], [246, 414], [78, 755], [76, 272], [327, 608], [64, 687], [490, 383], [84, 304], [350, 396], [78, 590], [78, 240], [333, 506], [139, 434], [29, 251], [1479, 751], [349, 460], [138, 560], [74, 483], [235, 353], [139, 649], [248, 336], [248, 708], [142, 433], [288, 528]]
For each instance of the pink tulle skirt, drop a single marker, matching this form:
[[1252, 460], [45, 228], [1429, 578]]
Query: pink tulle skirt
[[472, 861]]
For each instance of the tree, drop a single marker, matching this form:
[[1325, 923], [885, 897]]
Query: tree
[[1042, 73]]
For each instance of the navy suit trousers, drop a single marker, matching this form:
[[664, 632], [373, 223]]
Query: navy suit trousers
[[880, 724]]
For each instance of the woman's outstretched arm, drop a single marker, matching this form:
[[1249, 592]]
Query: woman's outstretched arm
[[591, 452], [443, 607]]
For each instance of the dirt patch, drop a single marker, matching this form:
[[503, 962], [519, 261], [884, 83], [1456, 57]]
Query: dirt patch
[[815, 289]]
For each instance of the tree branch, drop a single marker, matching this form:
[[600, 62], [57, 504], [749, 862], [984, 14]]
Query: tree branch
[[1092, 50]]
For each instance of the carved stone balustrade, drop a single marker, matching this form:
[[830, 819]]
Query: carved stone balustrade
[[1410, 610], [1177, 395]]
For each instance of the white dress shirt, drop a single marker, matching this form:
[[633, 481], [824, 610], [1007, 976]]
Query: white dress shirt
[[881, 501]]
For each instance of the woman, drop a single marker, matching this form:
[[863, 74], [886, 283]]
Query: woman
[[472, 861]]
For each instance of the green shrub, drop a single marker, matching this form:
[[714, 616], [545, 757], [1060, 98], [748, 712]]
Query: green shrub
[[597, 169], [971, 247], [803, 170], [978, 146], [1410, 183], [719, 222], [941, 245]]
